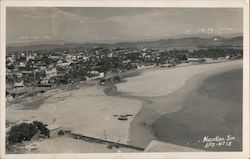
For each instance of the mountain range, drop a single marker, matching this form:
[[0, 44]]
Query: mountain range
[[182, 42]]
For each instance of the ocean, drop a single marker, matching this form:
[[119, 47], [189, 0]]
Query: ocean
[[210, 117]]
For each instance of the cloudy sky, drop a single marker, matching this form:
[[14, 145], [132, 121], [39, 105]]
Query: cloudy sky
[[29, 24]]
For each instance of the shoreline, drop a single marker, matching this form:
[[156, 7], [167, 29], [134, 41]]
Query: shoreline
[[124, 76], [212, 112], [138, 129], [87, 111], [141, 131]]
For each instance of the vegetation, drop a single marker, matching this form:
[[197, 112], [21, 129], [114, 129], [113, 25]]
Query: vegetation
[[21, 132], [25, 131]]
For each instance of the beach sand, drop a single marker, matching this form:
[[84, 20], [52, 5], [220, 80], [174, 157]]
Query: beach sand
[[168, 99], [65, 144], [167, 80], [86, 111]]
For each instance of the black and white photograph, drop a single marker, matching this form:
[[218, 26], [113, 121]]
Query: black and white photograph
[[123, 79]]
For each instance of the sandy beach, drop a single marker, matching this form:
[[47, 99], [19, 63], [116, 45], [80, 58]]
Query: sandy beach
[[65, 144], [86, 111], [168, 99], [90, 111], [167, 80]]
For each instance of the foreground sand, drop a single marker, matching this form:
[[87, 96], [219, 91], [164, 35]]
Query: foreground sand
[[87, 111], [65, 144]]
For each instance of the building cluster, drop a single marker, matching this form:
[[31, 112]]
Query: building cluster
[[59, 67]]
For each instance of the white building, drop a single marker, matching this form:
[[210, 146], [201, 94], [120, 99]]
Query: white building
[[53, 130], [196, 60], [30, 57], [44, 81], [21, 64], [94, 72], [61, 63], [19, 84], [51, 72]]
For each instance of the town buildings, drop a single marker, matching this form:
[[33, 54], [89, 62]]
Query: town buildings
[[60, 67]]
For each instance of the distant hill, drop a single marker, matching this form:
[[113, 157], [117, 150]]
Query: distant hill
[[185, 42], [36, 42]]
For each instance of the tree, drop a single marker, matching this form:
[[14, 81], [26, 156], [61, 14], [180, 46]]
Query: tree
[[21, 132], [42, 127], [25, 131]]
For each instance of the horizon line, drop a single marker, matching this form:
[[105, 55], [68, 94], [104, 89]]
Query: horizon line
[[64, 42]]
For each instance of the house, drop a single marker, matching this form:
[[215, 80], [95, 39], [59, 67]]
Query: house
[[53, 130], [94, 72], [228, 57], [126, 61], [21, 64], [54, 57], [30, 57], [44, 81], [97, 76], [19, 84], [51, 72], [61, 63], [196, 60], [101, 75]]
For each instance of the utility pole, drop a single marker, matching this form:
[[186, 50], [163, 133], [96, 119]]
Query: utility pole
[[105, 135]]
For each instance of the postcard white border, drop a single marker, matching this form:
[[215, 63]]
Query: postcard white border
[[129, 3]]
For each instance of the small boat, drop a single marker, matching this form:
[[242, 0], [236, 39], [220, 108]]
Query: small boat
[[122, 118]]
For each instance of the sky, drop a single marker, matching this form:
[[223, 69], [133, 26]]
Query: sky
[[110, 25]]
